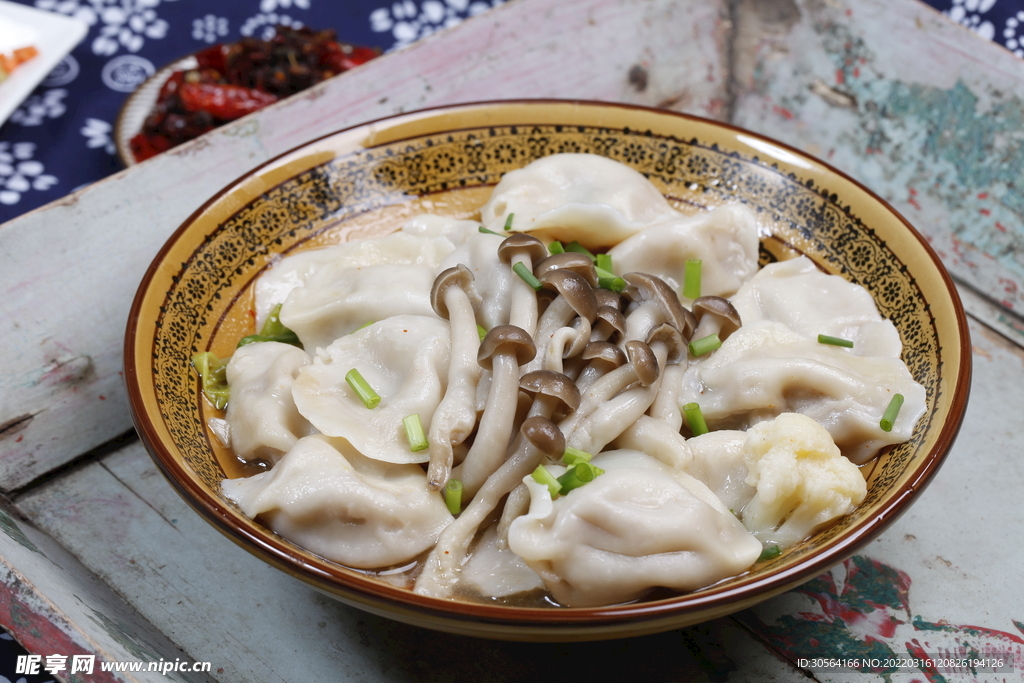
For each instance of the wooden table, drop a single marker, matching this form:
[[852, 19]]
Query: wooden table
[[100, 556]]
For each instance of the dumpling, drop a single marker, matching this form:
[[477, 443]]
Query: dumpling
[[719, 461], [329, 499], [725, 240], [336, 301], [431, 225], [811, 302], [263, 422], [629, 530], [425, 245], [492, 279], [764, 369], [583, 197], [404, 359], [497, 572]]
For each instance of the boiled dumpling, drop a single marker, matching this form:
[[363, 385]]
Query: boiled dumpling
[[425, 245], [625, 532], [492, 279], [329, 499], [337, 301], [583, 197], [725, 240], [764, 369], [811, 302], [720, 462], [263, 422], [404, 358]]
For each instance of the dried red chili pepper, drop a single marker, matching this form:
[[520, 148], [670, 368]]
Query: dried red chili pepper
[[226, 102]]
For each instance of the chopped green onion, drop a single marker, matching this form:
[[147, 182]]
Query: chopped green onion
[[364, 325], [770, 552], [698, 347], [609, 280], [695, 418], [212, 371], [615, 284], [542, 476], [481, 332], [574, 455], [414, 432], [580, 249], [556, 248], [489, 232], [453, 496], [577, 475], [508, 222], [691, 279], [522, 271], [273, 330], [889, 418], [366, 394], [834, 341], [604, 262]]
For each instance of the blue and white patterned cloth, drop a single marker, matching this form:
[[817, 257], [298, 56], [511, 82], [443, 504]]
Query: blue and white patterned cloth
[[76, 106]]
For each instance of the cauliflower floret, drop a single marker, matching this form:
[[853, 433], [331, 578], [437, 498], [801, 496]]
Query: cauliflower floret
[[802, 480]]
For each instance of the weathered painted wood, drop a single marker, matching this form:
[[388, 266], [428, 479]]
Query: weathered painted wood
[[69, 270], [55, 606], [255, 623], [924, 112]]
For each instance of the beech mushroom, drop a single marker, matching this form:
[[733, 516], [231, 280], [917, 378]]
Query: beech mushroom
[[441, 568], [502, 351], [602, 357], [526, 249], [575, 298], [660, 303], [569, 260], [715, 315], [452, 298]]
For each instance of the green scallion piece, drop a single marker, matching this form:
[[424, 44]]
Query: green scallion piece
[[698, 347], [577, 475], [695, 418], [508, 222], [273, 330], [364, 325], [574, 455], [366, 394], [542, 476], [414, 432], [212, 372], [770, 552], [604, 262], [481, 332], [489, 232], [522, 271], [834, 341], [615, 284], [556, 248], [580, 249], [453, 496], [889, 417], [691, 279]]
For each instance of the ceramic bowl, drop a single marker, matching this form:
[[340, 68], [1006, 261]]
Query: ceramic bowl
[[365, 181]]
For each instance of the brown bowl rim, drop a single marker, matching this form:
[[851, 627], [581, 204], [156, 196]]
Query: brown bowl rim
[[369, 592]]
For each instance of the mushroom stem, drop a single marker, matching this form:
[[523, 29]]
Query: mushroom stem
[[524, 299], [516, 505], [455, 417], [495, 430], [666, 404]]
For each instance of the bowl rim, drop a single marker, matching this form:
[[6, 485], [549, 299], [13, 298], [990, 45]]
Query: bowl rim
[[377, 596]]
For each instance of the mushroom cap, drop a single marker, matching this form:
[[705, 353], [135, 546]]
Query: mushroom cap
[[456, 276], [574, 289], [644, 362], [544, 435], [521, 243], [723, 308], [653, 288], [569, 260], [670, 336], [609, 298], [551, 383], [506, 338], [613, 317], [605, 352]]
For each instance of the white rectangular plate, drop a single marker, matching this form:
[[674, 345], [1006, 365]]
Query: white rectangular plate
[[55, 36]]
